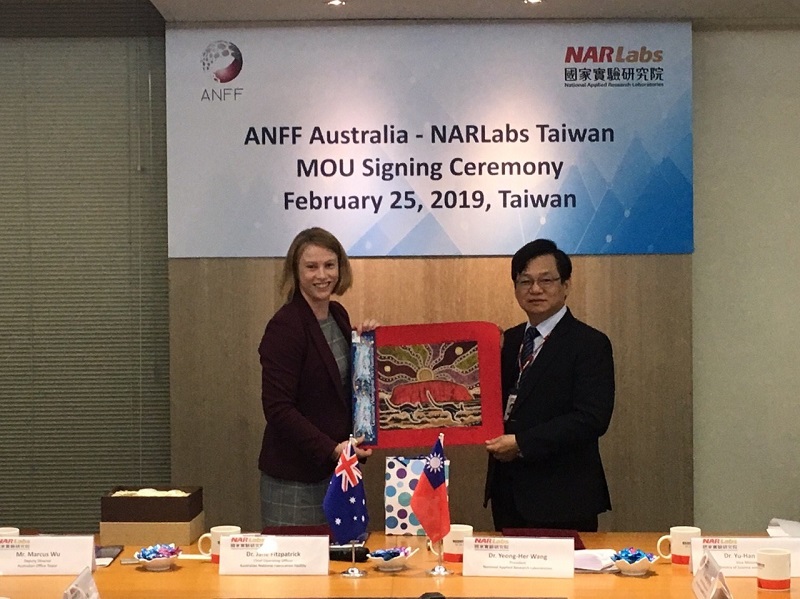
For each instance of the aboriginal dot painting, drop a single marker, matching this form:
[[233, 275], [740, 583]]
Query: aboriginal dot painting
[[412, 382], [428, 385]]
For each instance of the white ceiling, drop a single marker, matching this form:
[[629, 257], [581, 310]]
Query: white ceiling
[[704, 13]]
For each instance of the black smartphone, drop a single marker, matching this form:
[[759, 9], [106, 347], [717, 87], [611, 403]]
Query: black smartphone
[[105, 554]]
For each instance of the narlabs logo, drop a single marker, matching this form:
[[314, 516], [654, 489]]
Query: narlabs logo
[[597, 54], [223, 60], [613, 67]]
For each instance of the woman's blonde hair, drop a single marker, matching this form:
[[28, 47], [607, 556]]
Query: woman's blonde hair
[[322, 238]]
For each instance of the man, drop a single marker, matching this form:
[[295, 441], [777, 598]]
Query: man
[[558, 396]]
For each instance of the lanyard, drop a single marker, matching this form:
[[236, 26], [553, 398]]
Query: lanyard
[[529, 361], [512, 397]]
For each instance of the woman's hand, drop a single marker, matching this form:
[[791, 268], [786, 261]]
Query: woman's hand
[[368, 325], [360, 453]]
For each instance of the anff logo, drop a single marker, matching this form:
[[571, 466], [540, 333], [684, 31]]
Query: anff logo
[[223, 60]]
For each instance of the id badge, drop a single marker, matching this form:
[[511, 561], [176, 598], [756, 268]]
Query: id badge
[[512, 398]]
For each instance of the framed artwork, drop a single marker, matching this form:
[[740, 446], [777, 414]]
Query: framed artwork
[[412, 382]]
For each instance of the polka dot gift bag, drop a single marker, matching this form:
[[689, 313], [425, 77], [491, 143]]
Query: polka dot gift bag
[[401, 478]]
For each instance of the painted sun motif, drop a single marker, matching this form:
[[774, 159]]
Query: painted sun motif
[[429, 385]]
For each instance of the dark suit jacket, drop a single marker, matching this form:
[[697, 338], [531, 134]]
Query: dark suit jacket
[[564, 405], [307, 409]]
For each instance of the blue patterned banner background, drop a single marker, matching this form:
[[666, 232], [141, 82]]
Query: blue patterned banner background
[[416, 139]]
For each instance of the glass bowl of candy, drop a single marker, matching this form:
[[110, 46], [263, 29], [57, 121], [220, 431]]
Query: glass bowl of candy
[[391, 559], [633, 562], [158, 558]]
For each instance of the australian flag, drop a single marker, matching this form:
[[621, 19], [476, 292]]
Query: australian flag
[[345, 504]]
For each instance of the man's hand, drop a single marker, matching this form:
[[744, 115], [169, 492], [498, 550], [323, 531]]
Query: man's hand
[[504, 448]]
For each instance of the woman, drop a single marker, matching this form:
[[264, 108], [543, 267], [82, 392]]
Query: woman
[[305, 382]]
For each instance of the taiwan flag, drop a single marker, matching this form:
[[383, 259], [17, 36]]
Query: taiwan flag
[[345, 504], [429, 502]]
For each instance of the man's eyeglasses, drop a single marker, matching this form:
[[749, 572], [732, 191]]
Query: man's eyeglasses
[[526, 284]]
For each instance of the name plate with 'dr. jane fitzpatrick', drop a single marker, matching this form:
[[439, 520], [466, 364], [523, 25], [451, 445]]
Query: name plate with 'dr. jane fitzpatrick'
[[45, 555], [519, 556], [278, 555]]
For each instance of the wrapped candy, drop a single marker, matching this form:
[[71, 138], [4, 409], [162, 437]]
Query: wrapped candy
[[391, 553], [632, 555], [157, 551]]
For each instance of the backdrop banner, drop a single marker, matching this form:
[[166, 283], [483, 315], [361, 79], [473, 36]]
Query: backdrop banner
[[411, 139]]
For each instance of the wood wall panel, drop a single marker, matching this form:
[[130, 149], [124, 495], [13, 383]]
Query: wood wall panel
[[219, 307]]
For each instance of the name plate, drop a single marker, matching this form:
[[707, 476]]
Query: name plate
[[709, 581], [519, 556], [736, 556], [277, 555], [44, 555], [83, 587]]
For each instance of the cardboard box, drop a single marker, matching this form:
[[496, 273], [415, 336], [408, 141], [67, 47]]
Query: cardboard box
[[144, 534], [151, 509]]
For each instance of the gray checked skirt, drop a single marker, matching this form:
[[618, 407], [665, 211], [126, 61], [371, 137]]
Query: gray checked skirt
[[291, 503]]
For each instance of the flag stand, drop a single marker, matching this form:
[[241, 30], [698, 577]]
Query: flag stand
[[439, 569], [353, 571], [345, 504]]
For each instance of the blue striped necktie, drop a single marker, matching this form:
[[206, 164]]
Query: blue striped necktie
[[527, 344]]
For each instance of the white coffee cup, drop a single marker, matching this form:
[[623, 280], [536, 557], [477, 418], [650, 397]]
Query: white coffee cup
[[680, 543], [215, 534], [774, 569], [9, 531], [453, 543]]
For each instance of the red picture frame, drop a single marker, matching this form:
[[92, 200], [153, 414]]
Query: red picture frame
[[432, 369]]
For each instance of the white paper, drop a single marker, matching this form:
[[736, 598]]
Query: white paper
[[519, 557], [594, 560], [783, 528], [776, 531]]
